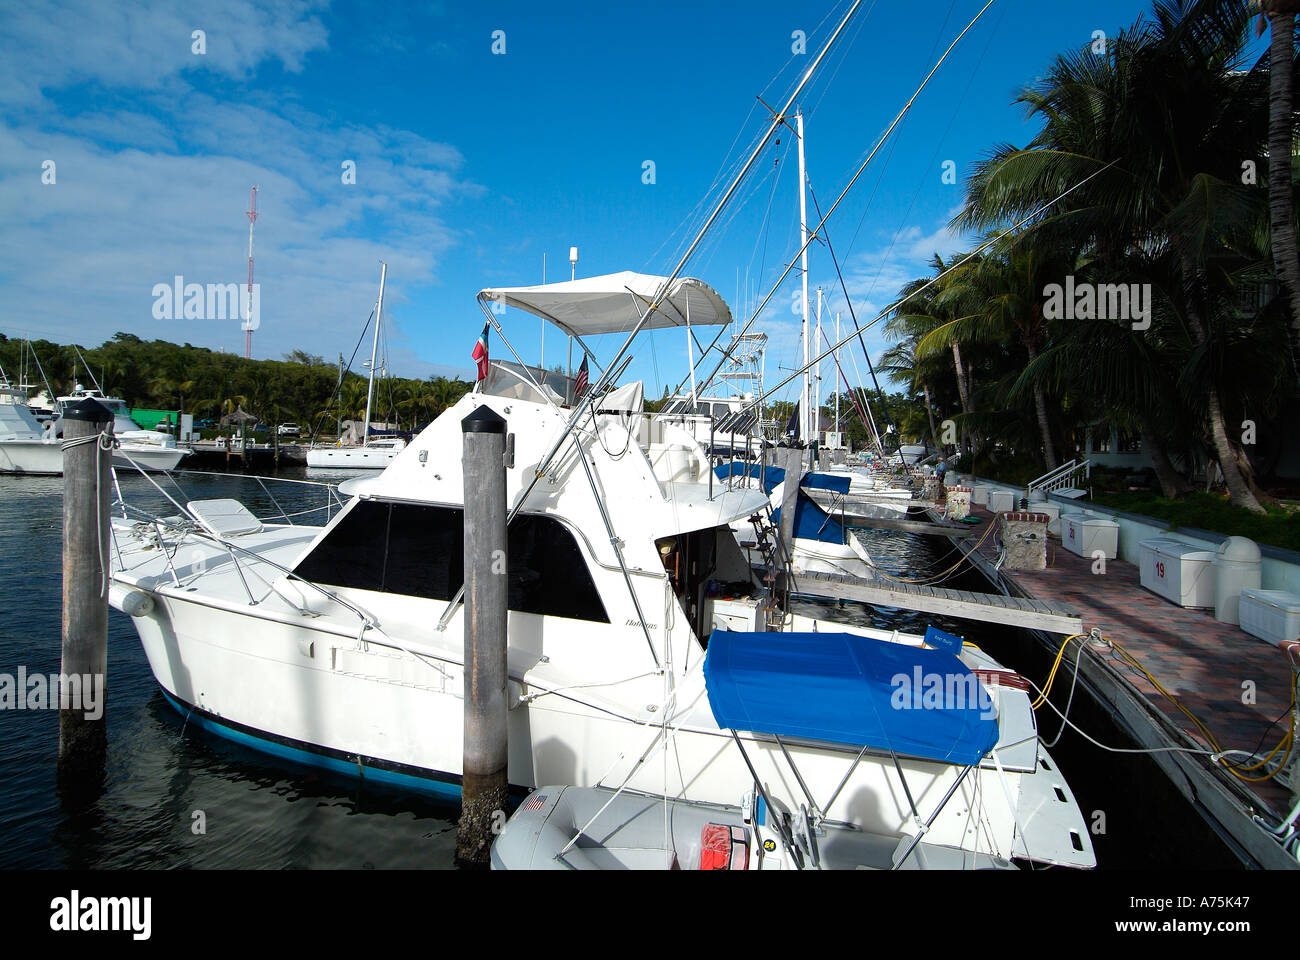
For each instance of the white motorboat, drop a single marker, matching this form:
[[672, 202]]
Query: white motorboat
[[342, 646], [25, 446], [150, 450], [822, 544]]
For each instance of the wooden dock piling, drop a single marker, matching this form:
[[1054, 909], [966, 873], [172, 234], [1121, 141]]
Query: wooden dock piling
[[792, 461], [484, 784], [86, 485]]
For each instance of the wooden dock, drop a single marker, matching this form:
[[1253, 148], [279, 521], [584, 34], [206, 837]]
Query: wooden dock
[[1205, 664], [986, 607]]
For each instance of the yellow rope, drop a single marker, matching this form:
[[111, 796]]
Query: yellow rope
[[1288, 740]]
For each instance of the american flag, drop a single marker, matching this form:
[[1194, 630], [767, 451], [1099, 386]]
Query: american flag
[[580, 382], [535, 802], [480, 354]]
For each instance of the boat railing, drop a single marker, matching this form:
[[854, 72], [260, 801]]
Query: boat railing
[[187, 525], [191, 528], [332, 502]]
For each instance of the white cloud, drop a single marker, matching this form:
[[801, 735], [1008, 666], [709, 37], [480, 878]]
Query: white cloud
[[155, 184], [146, 44]]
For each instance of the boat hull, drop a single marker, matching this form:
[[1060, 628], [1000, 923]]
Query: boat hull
[[367, 709], [35, 457], [351, 458], [148, 457]]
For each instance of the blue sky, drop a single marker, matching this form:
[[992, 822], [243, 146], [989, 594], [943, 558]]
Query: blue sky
[[471, 165]]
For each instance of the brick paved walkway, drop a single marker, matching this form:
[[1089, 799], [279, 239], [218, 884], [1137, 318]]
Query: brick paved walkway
[[1198, 659]]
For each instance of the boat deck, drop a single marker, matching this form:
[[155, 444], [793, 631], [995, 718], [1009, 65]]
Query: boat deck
[[1204, 663]]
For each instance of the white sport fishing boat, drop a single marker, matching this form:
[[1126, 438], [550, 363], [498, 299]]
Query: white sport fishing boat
[[373, 453], [629, 664], [136, 448], [25, 446]]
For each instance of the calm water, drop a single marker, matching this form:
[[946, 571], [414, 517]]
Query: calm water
[[258, 813], [263, 814]]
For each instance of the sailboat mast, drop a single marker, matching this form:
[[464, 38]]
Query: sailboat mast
[[803, 263], [817, 400], [836, 357], [374, 349]]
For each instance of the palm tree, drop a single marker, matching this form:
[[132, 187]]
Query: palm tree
[[1002, 302], [1162, 123], [1279, 16], [901, 364], [925, 306]]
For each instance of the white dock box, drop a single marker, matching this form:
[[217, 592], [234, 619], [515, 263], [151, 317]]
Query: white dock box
[[1053, 511], [1000, 501], [1086, 535], [1272, 615], [979, 494], [1180, 572]]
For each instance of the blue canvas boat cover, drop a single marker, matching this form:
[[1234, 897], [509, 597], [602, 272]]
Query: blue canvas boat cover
[[824, 481], [811, 522], [852, 690], [754, 471]]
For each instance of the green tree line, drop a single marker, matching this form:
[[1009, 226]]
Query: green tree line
[[162, 375]]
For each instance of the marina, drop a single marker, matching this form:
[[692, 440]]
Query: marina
[[162, 763], [903, 481]]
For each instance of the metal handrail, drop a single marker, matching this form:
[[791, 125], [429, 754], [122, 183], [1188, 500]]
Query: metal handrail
[[233, 548], [1055, 479], [331, 488]]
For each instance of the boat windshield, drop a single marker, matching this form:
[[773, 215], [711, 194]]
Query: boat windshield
[[518, 382]]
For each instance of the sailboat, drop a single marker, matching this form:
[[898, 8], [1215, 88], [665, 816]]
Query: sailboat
[[373, 453]]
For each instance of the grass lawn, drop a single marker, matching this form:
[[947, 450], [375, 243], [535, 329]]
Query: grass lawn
[[1278, 527]]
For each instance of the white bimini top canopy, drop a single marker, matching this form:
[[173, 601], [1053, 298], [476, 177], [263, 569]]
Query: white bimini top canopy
[[615, 302]]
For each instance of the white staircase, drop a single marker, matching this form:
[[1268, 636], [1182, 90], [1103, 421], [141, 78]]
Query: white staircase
[[1063, 481]]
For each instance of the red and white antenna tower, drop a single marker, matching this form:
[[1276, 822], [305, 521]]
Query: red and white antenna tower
[[248, 326]]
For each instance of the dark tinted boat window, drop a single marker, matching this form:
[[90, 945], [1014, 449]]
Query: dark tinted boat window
[[418, 550]]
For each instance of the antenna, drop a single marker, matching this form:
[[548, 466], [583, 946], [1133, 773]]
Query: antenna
[[248, 326]]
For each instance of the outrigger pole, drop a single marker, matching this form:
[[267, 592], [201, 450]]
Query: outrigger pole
[[779, 118], [935, 279], [598, 388]]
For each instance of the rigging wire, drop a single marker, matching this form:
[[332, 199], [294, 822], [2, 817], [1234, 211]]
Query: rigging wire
[[853, 315], [861, 168], [938, 148], [339, 386], [935, 279]]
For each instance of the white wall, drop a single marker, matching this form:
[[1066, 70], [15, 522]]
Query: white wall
[[1280, 570]]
